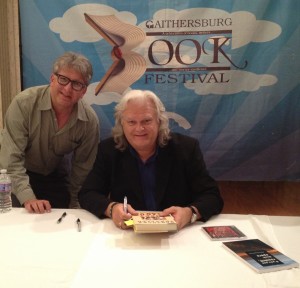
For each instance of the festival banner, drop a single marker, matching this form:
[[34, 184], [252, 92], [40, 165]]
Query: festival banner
[[227, 71]]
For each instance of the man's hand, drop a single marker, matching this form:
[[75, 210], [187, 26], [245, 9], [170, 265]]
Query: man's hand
[[37, 206], [119, 216], [182, 215]]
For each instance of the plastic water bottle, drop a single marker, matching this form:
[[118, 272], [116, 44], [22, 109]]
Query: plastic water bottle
[[5, 192]]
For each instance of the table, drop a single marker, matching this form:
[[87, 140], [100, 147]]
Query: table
[[38, 252]]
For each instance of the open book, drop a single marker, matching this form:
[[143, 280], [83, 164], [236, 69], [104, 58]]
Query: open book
[[128, 66], [152, 222]]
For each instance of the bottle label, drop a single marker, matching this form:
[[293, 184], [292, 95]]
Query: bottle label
[[5, 187]]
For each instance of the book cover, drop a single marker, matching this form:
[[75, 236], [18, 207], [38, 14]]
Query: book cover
[[128, 66], [227, 232], [260, 256], [152, 222]]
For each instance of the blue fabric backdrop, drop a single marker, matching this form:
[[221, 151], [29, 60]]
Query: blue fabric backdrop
[[227, 71]]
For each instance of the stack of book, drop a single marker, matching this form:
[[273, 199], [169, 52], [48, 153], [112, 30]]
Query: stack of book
[[258, 255]]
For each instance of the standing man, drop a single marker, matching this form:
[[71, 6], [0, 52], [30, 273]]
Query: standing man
[[155, 169], [50, 137]]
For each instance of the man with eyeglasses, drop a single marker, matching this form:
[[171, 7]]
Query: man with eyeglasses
[[50, 138]]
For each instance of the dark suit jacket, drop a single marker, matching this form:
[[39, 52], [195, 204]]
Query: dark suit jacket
[[181, 179]]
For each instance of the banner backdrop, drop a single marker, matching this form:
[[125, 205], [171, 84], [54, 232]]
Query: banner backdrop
[[227, 71]]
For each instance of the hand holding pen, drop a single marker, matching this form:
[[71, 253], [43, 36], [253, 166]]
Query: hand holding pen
[[119, 216], [125, 210]]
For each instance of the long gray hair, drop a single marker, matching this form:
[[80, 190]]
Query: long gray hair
[[143, 96], [74, 61]]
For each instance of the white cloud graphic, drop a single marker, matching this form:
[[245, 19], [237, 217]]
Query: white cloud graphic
[[180, 120], [247, 29], [105, 98], [244, 25], [73, 27], [238, 81]]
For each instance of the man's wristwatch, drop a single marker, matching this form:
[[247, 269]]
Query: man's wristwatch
[[194, 215]]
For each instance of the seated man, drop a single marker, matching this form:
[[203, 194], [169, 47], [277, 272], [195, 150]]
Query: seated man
[[155, 169], [44, 125]]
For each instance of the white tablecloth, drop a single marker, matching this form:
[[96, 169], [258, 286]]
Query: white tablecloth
[[38, 252]]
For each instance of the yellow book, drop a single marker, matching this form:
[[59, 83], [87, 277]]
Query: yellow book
[[152, 222]]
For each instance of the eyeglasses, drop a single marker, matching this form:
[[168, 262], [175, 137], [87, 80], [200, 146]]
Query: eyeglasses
[[63, 80]]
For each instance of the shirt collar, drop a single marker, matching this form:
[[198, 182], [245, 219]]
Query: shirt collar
[[135, 154], [45, 104]]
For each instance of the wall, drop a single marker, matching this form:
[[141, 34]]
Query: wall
[[10, 80]]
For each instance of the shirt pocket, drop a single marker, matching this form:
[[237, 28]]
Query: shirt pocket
[[66, 146]]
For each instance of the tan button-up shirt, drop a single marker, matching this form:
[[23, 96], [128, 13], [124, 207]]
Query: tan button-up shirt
[[32, 141]]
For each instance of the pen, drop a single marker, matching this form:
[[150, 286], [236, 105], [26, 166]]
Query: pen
[[78, 225], [61, 217], [125, 205]]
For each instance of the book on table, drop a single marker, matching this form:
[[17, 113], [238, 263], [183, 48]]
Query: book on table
[[223, 233], [128, 66], [260, 256], [152, 222]]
